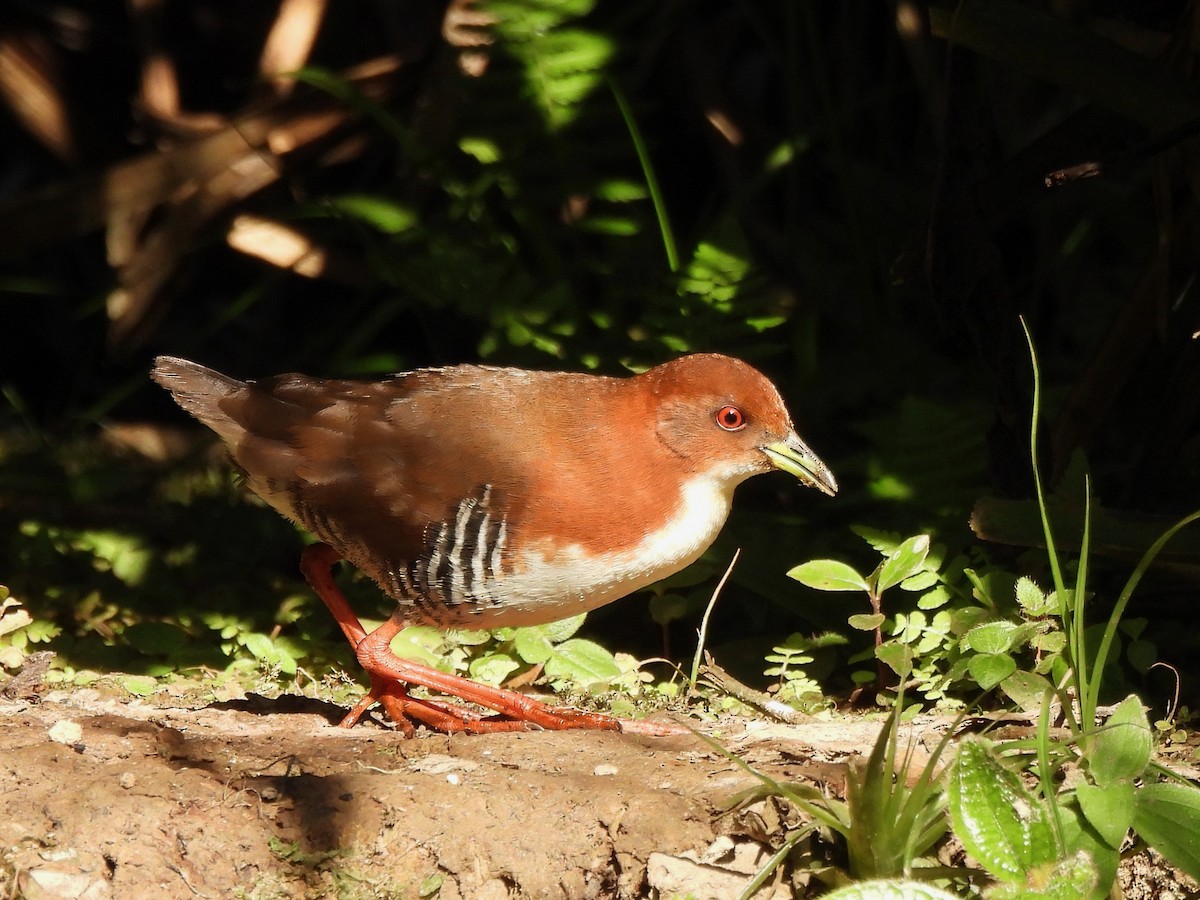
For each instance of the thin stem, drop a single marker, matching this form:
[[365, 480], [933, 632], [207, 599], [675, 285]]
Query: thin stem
[[656, 197], [702, 635], [1114, 619]]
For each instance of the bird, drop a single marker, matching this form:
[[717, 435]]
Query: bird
[[482, 497]]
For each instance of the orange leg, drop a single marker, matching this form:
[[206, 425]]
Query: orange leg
[[316, 564], [390, 674]]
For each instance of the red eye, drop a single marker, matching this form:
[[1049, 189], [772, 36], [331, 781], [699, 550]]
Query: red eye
[[731, 418]]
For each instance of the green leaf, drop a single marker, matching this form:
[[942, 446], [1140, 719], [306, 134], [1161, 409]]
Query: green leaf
[[828, 575], [993, 588], [1051, 642], [535, 643], [11, 657], [909, 626], [380, 213], [532, 645], [620, 190], [259, 645], [934, 599], [1026, 689], [897, 657], [1168, 819], [1033, 600], [417, 642], [714, 274], [668, 608], [964, 618], [885, 542], [1121, 747], [558, 631], [866, 621], [1064, 879], [920, 581], [890, 889], [431, 886], [138, 685], [493, 668], [483, 150], [620, 226], [1134, 627], [271, 652], [766, 323], [14, 619], [989, 669], [468, 637], [40, 631], [995, 816], [991, 637], [1142, 655], [1079, 837], [126, 555], [1109, 810], [583, 662], [904, 562]]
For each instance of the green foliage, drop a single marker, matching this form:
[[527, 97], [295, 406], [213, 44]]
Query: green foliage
[[567, 662], [537, 212], [1011, 831], [886, 826], [973, 627], [893, 889], [1167, 817], [19, 631], [1065, 839], [890, 823], [793, 685]]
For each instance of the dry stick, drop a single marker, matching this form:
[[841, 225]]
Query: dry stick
[[702, 634]]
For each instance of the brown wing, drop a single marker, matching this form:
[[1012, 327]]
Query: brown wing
[[373, 468]]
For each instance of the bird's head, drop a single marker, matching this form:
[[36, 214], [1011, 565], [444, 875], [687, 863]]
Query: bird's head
[[723, 416]]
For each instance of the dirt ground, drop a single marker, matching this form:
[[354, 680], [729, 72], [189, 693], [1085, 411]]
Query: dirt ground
[[261, 798]]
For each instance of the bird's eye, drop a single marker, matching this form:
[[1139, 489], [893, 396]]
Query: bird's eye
[[731, 418]]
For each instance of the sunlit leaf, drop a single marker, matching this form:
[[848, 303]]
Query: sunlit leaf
[[828, 575]]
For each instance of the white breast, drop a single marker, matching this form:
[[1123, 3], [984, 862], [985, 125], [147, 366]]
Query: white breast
[[546, 588]]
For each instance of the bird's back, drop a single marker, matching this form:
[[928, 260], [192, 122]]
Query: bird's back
[[432, 481]]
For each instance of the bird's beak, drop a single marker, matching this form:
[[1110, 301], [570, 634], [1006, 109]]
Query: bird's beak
[[793, 455]]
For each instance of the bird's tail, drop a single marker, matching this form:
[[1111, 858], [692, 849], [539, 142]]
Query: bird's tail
[[199, 390]]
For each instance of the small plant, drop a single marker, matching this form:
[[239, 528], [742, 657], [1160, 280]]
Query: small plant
[[970, 629], [18, 630], [550, 651], [887, 824], [1032, 849], [794, 686]]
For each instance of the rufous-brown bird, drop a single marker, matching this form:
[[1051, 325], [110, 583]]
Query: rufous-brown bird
[[483, 497]]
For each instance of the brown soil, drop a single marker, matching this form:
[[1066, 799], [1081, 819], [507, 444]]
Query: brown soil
[[265, 799]]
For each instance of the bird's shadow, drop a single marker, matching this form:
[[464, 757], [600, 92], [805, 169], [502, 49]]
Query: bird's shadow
[[284, 704]]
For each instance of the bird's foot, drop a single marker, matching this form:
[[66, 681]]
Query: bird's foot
[[514, 711], [406, 711]]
